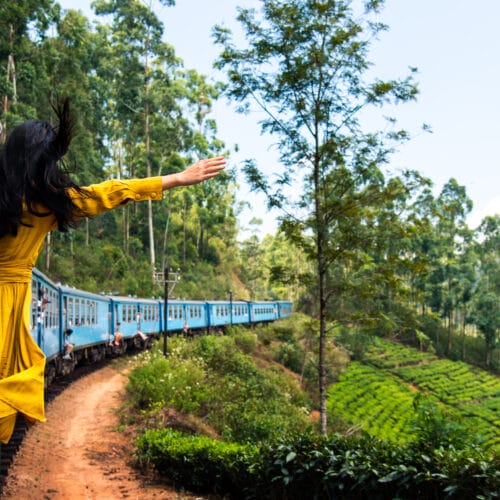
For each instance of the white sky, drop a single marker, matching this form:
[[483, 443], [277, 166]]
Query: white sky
[[453, 43]]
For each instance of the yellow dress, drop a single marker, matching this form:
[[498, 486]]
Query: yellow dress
[[22, 362]]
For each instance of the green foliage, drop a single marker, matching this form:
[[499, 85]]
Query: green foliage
[[310, 466], [460, 399], [435, 429], [293, 342], [171, 381], [374, 401], [196, 462], [213, 378]]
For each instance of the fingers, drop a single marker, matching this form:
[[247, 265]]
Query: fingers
[[210, 167], [202, 170]]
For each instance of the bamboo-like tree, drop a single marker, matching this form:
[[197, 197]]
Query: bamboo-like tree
[[306, 67]]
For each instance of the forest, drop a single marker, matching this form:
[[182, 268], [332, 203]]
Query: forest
[[387, 255]]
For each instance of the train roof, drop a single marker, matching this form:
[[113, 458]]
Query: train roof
[[123, 298], [68, 290]]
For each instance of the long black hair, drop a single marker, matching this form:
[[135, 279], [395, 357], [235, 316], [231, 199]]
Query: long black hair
[[30, 172]]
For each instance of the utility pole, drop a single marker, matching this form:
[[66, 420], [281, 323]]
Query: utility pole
[[168, 277]]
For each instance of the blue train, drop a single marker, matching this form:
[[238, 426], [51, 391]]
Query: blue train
[[73, 326]]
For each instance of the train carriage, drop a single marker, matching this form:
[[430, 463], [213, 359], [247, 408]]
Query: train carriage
[[148, 316], [240, 313], [195, 315], [85, 323], [218, 314], [262, 312], [176, 315]]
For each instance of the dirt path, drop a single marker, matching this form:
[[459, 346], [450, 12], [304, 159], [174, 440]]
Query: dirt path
[[77, 454]]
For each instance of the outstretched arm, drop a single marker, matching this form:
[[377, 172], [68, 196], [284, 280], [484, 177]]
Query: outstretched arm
[[200, 171], [98, 198]]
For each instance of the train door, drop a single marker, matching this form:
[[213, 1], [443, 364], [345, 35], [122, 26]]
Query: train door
[[65, 322], [138, 317]]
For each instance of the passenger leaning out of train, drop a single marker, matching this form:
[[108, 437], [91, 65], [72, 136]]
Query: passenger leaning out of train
[[68, 345], [37, 195], [118, 336]]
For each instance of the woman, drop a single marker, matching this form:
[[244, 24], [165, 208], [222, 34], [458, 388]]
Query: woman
[[37, 196]]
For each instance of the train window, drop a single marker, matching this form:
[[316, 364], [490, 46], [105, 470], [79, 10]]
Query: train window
[[93, 313], [77, 312], [70, 312]]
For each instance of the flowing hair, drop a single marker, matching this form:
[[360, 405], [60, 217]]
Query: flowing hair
[[30, 173]]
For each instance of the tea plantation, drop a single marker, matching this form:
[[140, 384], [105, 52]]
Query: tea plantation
[[377, 394]]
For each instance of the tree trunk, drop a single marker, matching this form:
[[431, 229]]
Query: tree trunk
[[464, 318], [322, 270], [10, 77], [322, 351], [152, 257]]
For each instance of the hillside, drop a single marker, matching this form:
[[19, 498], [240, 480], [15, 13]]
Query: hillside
[[378, 393], [246, 427]]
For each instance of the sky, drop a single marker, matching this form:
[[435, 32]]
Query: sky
[[453, 43]]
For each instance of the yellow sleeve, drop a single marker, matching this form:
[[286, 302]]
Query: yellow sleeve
[[99, 198]]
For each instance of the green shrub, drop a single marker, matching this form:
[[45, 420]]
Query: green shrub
[[171, 381], [212, 378], [246, 340], [198, 463], [311, 466]]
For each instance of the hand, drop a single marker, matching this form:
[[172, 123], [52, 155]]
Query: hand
[[202, 170]]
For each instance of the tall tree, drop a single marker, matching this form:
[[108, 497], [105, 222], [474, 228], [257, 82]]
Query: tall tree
[[306, 66], [137, 38], [22, 26]]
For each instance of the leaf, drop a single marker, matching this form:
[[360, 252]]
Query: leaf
[[290, 456]]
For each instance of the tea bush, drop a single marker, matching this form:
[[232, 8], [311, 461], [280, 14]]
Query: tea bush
[[311, 466], [196, 462]]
